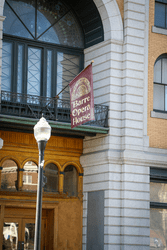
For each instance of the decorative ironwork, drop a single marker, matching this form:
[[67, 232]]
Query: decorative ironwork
[[34, 71], [32, 106], [6, 66]]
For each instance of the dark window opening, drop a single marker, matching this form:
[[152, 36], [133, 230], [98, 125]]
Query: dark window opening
[[42, 48], [160, 19], [158, 208], [51, 173], [71, 181]]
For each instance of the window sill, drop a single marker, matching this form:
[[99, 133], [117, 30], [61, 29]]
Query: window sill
[[156, 114], [159, 30]]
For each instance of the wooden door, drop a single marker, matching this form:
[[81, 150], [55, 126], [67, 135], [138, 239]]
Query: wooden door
[[18, 234]]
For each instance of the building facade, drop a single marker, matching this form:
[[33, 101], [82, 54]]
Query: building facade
[[106, 181]]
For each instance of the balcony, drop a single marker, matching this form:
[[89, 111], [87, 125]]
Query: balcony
[[31, 107]]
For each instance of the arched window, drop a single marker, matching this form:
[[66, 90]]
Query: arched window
[[71, 181], [42, 47], [51, 173], [160, 84], [30, 176], [9, 175]]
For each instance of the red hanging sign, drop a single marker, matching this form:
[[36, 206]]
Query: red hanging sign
[[81, 98]]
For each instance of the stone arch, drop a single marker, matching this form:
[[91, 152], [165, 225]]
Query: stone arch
[[110, 15], [111, 19], [1, 7]]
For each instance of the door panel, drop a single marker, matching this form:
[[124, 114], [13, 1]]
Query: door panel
[[11, 233], [28, 233], [18, 234]]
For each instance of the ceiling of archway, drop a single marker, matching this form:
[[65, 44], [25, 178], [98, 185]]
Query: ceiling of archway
[[90, 20]]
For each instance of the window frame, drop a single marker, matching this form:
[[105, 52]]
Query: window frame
[[58, 177], [65, 189], [44, 47], [164, 2], [161, 84], [158, 175]]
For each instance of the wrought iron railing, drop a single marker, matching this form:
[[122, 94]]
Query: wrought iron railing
[[31, 106]]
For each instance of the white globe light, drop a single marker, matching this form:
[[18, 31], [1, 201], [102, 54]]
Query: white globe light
[[42, 130]]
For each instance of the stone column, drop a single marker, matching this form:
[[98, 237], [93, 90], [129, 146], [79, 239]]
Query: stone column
[[135, 230]]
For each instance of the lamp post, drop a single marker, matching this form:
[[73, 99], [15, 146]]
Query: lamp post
[[42, 132]]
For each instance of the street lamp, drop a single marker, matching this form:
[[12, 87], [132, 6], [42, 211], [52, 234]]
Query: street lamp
[[42, 132]]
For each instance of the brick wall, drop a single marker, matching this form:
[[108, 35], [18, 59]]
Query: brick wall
[[157, 128]]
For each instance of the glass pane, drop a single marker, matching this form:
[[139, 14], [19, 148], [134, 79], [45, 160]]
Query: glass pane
[[166, 16], [157, 72], [20, 69], [12, 24], [71, 181], [49, 73], [48, 13], [6, 66], [67, 69], [30, 176], [66, 31], [26, 11], [10, 236], [164, 70], [29, 236], [158, 229], [160, 15], [158, 192], [9, 175], [69, 31], [51, 172], [50, 36], [165, 98], [158, 97], [34, 71]]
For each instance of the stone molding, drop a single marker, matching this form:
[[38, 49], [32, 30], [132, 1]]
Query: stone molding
[[111, 19], [159, 30]]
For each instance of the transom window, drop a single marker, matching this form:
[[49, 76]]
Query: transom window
[[42, 47], [160, 19], [160, 84]]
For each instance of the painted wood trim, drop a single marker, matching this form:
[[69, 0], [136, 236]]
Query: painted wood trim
[[56, 125], [1, 224], [55, 241], [61, 182], [28, 203]]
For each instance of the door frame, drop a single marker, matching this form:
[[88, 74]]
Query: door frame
[[25, 204]]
